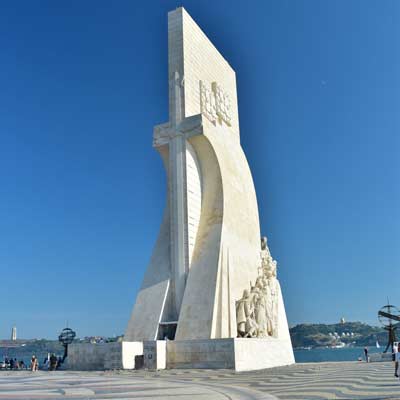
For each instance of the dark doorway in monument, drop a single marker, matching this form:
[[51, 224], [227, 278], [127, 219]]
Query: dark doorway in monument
[[139, 362], [167, 330]]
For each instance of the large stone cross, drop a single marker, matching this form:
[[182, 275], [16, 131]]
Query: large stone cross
[[174, 134]]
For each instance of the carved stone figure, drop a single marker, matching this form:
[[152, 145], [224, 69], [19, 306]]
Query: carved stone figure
[[269, 267], [273, 285], [241, 306], [246, 324], [257, 310], [269, 309], [261, 316]]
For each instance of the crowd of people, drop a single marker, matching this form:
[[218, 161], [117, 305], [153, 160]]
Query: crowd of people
[[50, 363], [13, 363]]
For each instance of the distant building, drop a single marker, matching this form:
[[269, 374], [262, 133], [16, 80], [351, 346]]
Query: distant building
[[342, 320], [94, 339], [14, 333]]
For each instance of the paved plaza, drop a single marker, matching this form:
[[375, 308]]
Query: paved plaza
[[345, 380]]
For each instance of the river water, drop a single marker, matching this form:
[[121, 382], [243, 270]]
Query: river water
[[342, 354]]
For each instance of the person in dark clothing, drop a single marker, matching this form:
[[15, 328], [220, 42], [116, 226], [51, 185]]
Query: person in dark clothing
[[366, 354], [53, 362]]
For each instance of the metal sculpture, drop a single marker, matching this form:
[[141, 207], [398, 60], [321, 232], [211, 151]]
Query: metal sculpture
[[386, 315], [66, 337]]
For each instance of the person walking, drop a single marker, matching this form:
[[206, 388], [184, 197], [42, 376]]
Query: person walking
[[396, 351], [396, 364], [366, 354]]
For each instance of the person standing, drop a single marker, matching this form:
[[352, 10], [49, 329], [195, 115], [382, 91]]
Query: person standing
[[366, 354], [34, 364], [53, 362], [59, 362], [396, 353], [394, 358]]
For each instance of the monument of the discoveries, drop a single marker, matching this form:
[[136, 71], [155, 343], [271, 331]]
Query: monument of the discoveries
[[210, 276], [210, 297]]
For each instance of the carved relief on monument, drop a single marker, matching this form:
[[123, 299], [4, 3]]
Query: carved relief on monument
[[215, 104], [207, 103], [223, 104], [257, 310]]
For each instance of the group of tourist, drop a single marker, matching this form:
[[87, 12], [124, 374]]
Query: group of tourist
[[13, 363], [50, 363]]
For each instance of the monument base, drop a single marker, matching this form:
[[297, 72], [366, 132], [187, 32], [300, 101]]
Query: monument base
[[103, 356], [232, 353]]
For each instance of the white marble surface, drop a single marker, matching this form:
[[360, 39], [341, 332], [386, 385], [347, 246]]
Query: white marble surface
[[129, 351]]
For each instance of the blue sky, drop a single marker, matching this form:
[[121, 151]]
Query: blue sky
[[82, 191]]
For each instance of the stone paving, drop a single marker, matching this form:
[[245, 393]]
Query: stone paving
[[26, 385], [344, 380]]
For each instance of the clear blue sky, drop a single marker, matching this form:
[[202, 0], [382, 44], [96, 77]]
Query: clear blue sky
[[82, 191]]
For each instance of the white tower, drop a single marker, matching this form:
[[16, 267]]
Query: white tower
[[14, 333]]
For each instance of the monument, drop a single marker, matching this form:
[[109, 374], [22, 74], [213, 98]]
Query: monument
[[209, 277], [210, 297]]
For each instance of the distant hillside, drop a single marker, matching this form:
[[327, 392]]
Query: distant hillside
[[349, 333], [303, 335]]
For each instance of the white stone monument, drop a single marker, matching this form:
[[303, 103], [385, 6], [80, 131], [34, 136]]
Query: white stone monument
[[211, 285]]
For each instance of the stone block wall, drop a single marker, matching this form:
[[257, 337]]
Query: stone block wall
[[94, 357], [216, 353]]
